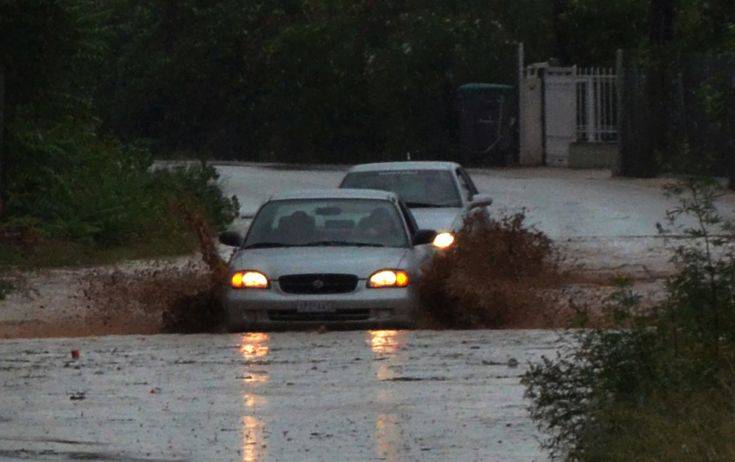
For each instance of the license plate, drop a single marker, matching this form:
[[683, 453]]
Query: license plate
[[314, 306]]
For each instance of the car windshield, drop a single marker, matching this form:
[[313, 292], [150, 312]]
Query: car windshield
[[417, 188], [327, 222]]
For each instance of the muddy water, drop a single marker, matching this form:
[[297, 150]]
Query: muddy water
[[377, 395]]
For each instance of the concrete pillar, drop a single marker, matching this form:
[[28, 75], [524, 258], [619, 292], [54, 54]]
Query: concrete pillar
[[531, 123]]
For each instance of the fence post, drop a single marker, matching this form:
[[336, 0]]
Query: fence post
[[2, 139], [620, 88], [590, 104], [731, 130], [521, 100]]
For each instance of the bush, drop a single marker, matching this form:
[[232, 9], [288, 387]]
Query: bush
[[661, 386], [493, 276], [68, 185]]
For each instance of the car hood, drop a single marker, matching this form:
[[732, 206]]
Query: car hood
[[438, 219], [361, 261]]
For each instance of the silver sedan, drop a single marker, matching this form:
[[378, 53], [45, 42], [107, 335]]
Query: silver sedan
[[323, 257], [441, 195]]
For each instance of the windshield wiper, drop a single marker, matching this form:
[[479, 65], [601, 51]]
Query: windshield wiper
[[265, 245], [342, 243]]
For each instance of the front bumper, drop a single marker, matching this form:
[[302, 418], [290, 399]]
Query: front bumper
[[272, 308]]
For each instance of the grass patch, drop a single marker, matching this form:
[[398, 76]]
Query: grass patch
[[680, 426], [53, 253]]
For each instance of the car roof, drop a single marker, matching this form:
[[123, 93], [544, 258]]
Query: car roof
[[407, 165], [334, 194]]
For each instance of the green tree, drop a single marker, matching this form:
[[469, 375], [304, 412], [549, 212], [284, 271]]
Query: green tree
[[305, 80], [41, 49]]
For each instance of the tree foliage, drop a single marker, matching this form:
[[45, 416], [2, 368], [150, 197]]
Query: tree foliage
[[286, 80], [305, 80], [338, 81], [324, 80], [660, 385], [62, 178]]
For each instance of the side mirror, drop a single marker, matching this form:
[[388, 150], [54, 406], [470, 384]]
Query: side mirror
[[231, 238], [424, 236], [481, 200]]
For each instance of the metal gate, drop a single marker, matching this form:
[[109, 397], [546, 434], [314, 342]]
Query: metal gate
[[597, 105], [560, 113], [560, 106]]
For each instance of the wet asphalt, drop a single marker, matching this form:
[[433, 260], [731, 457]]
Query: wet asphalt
[[355, 395]]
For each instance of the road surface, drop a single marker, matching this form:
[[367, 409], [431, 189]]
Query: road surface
[[377, 395], [605, 223], [384, 395]]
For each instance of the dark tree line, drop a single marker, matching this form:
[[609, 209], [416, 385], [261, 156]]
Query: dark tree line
[[679, 91], [296, 80], [332, 81]]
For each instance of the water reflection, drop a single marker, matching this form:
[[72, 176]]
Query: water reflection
[[386, 346], [253, 445], [387, 437], [387, 341], [252, 400], [255, 345]]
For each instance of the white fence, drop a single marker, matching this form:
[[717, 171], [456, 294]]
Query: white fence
[[597, 105], [560, 106]]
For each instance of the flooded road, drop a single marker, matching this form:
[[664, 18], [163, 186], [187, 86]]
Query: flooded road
[[375, 395]]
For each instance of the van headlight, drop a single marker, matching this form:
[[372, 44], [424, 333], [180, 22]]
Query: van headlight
[[443, 240]]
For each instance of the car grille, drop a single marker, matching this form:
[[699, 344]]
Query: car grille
[[318, 283], [339, 315]]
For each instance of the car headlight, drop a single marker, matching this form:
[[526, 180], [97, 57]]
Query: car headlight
[[443, 240], [388, 278], [249, 280]]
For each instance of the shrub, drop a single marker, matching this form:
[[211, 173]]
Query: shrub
[[69, 185], [661, 385], [196, 185], [494, 274]]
